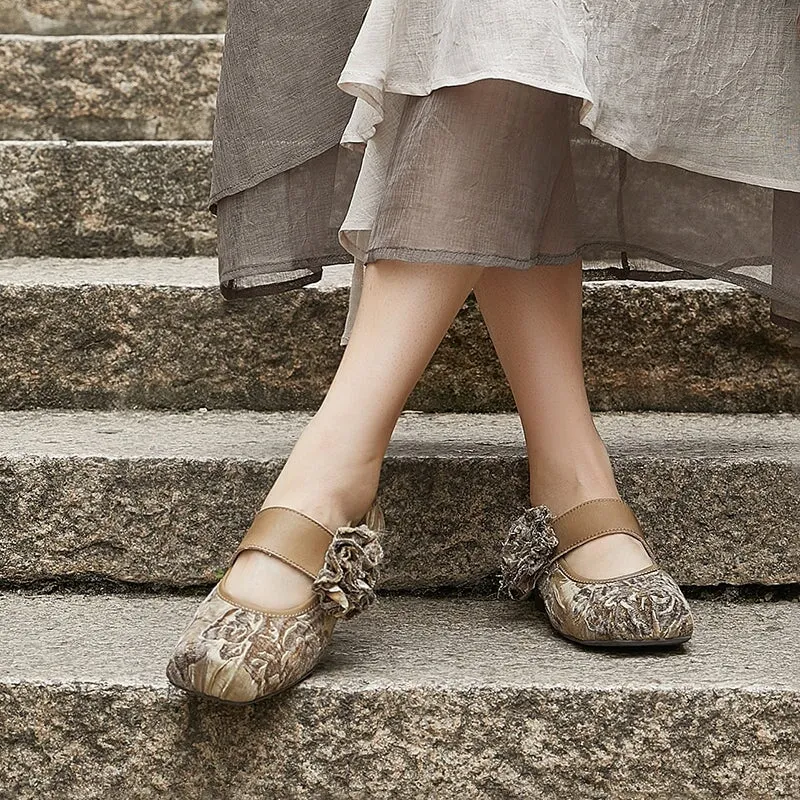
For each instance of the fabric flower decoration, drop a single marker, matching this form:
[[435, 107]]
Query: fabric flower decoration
[[347, 579], [527, 550]]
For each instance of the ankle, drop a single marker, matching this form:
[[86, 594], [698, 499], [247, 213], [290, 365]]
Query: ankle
[[347, 440], [565, 496], [560, 486], [331, 482]]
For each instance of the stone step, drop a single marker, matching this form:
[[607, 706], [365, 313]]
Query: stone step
[[163, 498], [156, 333], [105, 199], [109, 87], [415, 698], [54, 17]]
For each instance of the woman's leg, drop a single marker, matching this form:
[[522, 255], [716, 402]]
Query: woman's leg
[[534, 317], [332, 472]]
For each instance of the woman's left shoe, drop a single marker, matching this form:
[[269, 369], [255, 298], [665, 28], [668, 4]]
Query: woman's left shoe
[[240, 654], [645, 607]]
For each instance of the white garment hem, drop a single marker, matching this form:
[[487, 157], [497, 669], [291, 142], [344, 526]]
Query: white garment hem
[[371, 91]]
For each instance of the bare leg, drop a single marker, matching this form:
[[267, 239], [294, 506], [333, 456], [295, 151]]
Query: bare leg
[[333, 470], [534, 318]]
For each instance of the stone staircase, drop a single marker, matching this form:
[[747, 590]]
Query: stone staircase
[[142, 418]]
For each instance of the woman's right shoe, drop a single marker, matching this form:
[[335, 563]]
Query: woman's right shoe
[[643, 608], [241, 654]]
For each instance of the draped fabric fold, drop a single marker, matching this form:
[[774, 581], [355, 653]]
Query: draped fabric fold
[[278, 105]]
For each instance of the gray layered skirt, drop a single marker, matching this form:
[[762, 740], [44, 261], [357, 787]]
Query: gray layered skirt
[[664, 142]]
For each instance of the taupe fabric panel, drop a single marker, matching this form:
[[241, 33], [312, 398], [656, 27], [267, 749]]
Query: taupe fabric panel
[[276, 235], [786, 260], [444, 186], [278, 104], [463, 191]]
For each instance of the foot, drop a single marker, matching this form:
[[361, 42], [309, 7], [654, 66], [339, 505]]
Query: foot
[[608, 557], [646, 608], [325, 479]]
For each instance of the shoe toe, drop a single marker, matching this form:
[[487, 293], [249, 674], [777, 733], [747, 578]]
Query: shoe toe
[[240, 655], [200, 669], [648, 608]]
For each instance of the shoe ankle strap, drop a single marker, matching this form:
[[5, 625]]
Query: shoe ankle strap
[[289, 535], [593, 519]]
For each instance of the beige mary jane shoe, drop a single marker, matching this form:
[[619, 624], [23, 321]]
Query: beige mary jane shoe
[[642, 608], [240, 654]]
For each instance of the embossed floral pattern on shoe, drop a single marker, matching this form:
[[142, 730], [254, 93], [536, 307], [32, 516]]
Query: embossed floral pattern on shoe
[[239, 655], [648, 606], [526, 551], [346, 582]]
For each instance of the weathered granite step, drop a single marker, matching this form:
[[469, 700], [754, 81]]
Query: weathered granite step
[[105, 198], [108, 87], [156, 333], [164, 498], [415, 698], [51, 17]]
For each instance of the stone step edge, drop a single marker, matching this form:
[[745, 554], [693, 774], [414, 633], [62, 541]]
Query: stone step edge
[[367, 642], [112, 17], [744, 364], [103, 485], [46, 38], [101, 144], [264, 435]]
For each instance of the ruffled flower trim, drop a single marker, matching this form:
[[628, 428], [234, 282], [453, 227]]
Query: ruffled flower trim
[[346, 582], [528, 549]]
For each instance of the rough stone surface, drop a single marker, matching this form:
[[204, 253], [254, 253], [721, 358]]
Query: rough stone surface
[[117, 199], [165, 498], [133, 87], [416, 698], [156, 333], [54, 17]]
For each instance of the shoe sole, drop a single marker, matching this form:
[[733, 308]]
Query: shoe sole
[[627, 643], [254, 701]]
